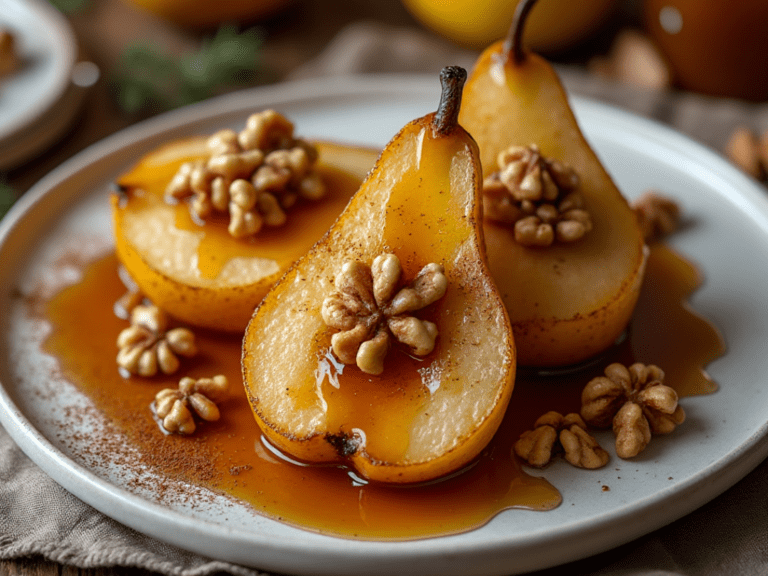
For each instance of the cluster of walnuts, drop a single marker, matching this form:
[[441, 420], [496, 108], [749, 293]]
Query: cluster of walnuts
[[149, 346], [538, 196], [254, 176], [370, 307], [632, 400]]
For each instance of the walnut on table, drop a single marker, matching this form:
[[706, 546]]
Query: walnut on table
[[368, 310], [9, 59], [178, 407], [634, 59], [148, 346], [538, 196], [553, 433], [254, 175], [749, 151], [635, 402], [657, 215]]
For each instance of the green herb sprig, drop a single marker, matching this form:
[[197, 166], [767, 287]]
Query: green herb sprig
[[149, 80], [70, 6], [7, 197]]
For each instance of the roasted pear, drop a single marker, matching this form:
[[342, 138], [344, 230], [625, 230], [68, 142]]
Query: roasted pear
[[570, 300], [197, 270], [387, 347]]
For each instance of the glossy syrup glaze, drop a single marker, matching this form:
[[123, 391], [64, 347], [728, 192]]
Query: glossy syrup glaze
[[230, 456]]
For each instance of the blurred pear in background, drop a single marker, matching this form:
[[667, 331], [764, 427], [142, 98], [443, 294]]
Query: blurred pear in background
[[553, 26]]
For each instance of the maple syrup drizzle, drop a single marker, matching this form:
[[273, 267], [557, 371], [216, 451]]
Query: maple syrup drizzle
[[230, 456]]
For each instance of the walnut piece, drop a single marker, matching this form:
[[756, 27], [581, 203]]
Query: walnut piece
[[657, 215], [368, 309], [635, 402], [178, 407], [9, 60], [538, 196], [748, 152], [554, 433], [147, 345], [633, 59], [254, 176]]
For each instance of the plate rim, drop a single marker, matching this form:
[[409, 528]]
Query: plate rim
[[726, 473]]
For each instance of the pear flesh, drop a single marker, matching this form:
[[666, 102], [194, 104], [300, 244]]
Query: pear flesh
[[566, 302], [423, 417]]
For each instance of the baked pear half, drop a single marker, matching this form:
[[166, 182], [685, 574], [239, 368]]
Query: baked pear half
[[387, 347], [571, 299], [195, 268]]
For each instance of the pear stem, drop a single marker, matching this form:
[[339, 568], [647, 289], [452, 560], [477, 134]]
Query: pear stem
[[513, 43], [447, 116]]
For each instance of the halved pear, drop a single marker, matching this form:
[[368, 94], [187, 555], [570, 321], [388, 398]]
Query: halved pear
[[422, 417], [566, 302], [199, 273]]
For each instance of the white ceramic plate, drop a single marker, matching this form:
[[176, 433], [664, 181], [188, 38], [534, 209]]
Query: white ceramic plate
[[721, 441], [47, 48]]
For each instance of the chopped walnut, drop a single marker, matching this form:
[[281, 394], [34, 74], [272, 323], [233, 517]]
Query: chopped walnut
[[254, 176], [178, 407], [538, 196], [658, 216], [553, 433], [147, 346], [635, 402], [368, 309], [9, 60], [634, 59]]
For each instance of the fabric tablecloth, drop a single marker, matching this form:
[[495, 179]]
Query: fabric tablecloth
[[727, 536]]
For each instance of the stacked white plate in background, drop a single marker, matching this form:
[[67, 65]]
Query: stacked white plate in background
[[39, 100]]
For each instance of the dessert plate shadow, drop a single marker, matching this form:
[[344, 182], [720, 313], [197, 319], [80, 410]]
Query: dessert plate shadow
[[722, 440]]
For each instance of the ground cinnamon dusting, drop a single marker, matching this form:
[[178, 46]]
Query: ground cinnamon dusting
[[228, 457]]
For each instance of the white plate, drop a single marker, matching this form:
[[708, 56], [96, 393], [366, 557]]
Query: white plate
[[721, 441], [47, 48]]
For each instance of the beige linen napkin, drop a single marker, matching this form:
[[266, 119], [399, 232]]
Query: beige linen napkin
[[727, 536]]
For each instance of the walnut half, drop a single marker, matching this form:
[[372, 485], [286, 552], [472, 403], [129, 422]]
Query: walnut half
[[178, 407], [369, 308], [147, 346], [634, 401], [554, 433]]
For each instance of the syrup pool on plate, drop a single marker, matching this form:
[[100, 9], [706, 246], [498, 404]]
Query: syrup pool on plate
[[230, 456]]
